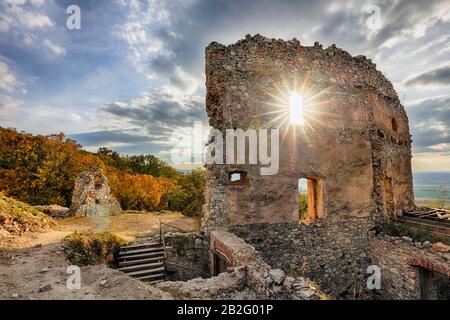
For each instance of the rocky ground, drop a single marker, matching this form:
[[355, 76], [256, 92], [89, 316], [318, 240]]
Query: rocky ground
[[33, 266]]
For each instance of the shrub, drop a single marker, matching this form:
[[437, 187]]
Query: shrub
[[302, 206], [88, 248], [187, 195]]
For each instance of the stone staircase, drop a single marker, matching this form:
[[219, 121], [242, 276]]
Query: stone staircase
[[143, 261]]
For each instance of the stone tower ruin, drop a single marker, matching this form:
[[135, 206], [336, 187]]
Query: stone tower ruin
[[354, 149], [92, 196]]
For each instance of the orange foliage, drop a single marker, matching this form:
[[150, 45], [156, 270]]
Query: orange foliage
[[39, 169], [135, 191], [42, 170]]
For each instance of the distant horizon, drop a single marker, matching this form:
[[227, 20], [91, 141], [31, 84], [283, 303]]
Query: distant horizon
[[440, 171]]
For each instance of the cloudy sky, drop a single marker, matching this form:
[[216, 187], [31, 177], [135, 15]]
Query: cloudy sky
[[133, 73]]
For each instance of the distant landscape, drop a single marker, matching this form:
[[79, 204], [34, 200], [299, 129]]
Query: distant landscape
[[41, 170], [432, 188]]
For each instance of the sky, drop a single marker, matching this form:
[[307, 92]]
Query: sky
[[133, 74]]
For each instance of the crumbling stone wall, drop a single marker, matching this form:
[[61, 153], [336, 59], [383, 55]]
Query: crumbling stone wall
[[357, 143], [249, 277], [400, 260], [187, 256], [266, 282], [92, 196], [335, 255]]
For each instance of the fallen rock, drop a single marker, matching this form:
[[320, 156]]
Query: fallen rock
[[440, 247], [53, 210], [45, 288], [305, 293], [289, 282], [407, 239], [277, 275], [269, 281]]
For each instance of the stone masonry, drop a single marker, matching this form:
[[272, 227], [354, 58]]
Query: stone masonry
[[92, 196], [334, 255], [249, 277], [401, 261], [187, 256], [354, 148]]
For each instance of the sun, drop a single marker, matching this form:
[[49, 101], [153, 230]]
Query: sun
[[296, 108]]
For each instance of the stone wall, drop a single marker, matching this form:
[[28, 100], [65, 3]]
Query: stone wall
[[401, 259], [355, 140], [262, 279], [224, 286], [187, 257], [92, 196], [335, 255], [249, 277]]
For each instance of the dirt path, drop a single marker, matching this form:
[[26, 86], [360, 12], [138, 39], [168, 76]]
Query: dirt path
[[33, 266]]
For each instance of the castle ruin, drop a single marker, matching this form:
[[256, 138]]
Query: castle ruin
[[354, 149], [92, 195]]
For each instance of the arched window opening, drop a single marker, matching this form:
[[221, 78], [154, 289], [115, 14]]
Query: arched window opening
[[394, 125]]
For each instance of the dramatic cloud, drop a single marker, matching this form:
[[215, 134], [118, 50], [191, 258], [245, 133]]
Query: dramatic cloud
[[439, 76], [8, 80], [104, 138], [149, 56], [158, 114], [54, 48], [7, 104], [430, 124], [24, 14]]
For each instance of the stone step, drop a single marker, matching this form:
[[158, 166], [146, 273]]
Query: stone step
[[146, 272], [147, 266], [140, 261], [141, 256], [141, 245], [145, 250]]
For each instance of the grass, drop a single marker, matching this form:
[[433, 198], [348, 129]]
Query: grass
[[325, 296], [17, 217], [303, 207], [419, 235]]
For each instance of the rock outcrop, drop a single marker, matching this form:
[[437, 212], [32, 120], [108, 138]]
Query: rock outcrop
[[54, 210], [92, 195]]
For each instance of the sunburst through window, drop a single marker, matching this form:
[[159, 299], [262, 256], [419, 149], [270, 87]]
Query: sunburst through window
[[296, 108]]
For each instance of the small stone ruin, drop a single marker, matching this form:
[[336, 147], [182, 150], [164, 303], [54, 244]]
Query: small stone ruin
[[92, 196]]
